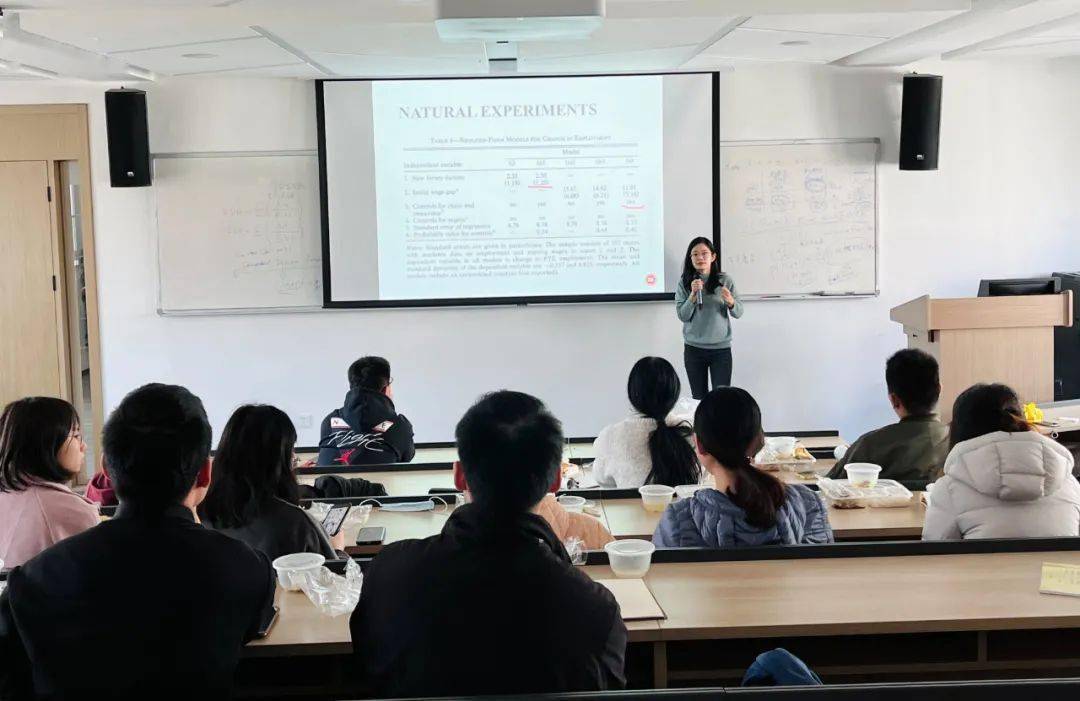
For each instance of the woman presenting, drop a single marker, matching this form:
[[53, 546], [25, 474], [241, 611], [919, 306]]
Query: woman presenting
[[706, 301]]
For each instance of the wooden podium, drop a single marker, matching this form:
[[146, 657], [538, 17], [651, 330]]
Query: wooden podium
[[988, 339]]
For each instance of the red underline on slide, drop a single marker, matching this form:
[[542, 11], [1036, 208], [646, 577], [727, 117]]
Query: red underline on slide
[[540, 187], [633, 206]]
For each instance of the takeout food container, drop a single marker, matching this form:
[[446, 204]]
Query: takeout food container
[[629, 559], [842, 495], [291, 569], [862, 474], [784, 453], [656, 497]]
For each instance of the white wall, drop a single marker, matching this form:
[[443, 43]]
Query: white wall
[[1003, 204]]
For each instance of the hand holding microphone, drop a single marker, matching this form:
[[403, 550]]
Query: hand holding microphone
[[697, 288]]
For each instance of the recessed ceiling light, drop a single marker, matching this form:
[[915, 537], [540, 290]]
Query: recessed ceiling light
[[796, 42], [199, 55]]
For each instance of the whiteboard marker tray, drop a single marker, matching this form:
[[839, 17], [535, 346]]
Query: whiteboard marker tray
[[886, 494]]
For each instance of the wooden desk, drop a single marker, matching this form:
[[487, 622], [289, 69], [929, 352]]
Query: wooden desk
[[583, 451], [403, 525], [627, 518], [574, 451], [400, 525], [854, 596], [866, 618], [399, 483], [1069, 408], [302, 630], [904, 522]]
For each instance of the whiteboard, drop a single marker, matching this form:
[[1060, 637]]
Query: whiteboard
[[238, 231], [799, 218]]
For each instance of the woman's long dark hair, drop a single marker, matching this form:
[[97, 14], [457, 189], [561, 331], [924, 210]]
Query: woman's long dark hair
[[728, 426], [690, 273], [253, 464], [982, 409], [654, 388], [32, 432]]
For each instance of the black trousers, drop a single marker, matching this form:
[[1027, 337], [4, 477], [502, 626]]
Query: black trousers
[[701, 362]]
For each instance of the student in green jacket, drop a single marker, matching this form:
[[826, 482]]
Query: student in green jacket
[[916, 447]]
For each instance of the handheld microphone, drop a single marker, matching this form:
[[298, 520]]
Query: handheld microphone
[[700, 297]]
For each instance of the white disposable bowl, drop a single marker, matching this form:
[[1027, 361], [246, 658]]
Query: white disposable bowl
[[629, 559], [685, 491], [571, 503], [656, 497], [862, 474], [291, 568]]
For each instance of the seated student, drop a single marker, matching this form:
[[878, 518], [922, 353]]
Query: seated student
[[491, 605], [41, 450], [1002, 480], [254, 495], [148, 604], [748, 507], [366, 430], [651, 447], [915, 448]]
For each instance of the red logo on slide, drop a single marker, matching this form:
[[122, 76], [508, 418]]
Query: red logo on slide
[[650, 280]]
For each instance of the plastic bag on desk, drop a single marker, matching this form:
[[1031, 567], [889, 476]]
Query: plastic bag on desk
[[318, 510], [331, 593], [358, 516], [575, 548]]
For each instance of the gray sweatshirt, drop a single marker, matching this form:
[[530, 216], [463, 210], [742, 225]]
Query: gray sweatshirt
[[710, 326]]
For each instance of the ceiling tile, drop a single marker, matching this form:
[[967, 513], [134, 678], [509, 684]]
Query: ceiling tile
[[623, 36], [126, 30], [237, 53], [388, 39], [769, 45], [648, 60], [386, 66], [869, 24]]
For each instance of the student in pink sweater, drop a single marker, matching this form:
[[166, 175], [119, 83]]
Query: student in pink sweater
[[41, 450]]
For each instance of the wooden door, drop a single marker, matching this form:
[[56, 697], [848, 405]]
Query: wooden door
[[31, 338]]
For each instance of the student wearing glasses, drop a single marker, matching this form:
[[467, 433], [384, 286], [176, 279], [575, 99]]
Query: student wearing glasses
[[41, 450], [706, 301]]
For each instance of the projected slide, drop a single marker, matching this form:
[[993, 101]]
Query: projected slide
[[468, 189], [483, 188]]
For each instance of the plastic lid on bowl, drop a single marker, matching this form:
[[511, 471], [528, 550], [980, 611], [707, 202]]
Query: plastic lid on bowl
[[630, 546], [656, 490], [298, 561]]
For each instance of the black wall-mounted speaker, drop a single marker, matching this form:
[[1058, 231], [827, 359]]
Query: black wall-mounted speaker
[[129, 138], [920, 122]]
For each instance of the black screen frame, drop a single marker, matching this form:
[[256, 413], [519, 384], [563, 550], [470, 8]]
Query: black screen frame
[[324, 207]]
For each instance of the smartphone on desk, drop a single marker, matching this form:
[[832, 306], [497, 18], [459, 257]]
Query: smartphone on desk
[[371, 535], [269, 619], [334, 518]]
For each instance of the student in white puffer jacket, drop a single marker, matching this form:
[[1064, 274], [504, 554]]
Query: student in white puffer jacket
[[653, 447], [1001, 479]]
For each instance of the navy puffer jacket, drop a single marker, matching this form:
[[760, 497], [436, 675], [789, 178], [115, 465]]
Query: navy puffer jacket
[[710, 519]]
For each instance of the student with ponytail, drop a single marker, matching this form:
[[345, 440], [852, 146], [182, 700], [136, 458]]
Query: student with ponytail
[[749, 507], [653, 446]]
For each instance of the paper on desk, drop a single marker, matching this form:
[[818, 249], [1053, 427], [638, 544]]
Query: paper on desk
[[636, 602], [1058, 578]]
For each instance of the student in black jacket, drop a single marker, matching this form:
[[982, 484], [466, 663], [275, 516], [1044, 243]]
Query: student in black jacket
[[254, 495], [491, 605], [148, 604], [366, 430]]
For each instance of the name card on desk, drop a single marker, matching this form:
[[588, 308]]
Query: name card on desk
[[1062, 579], [636, 602]]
